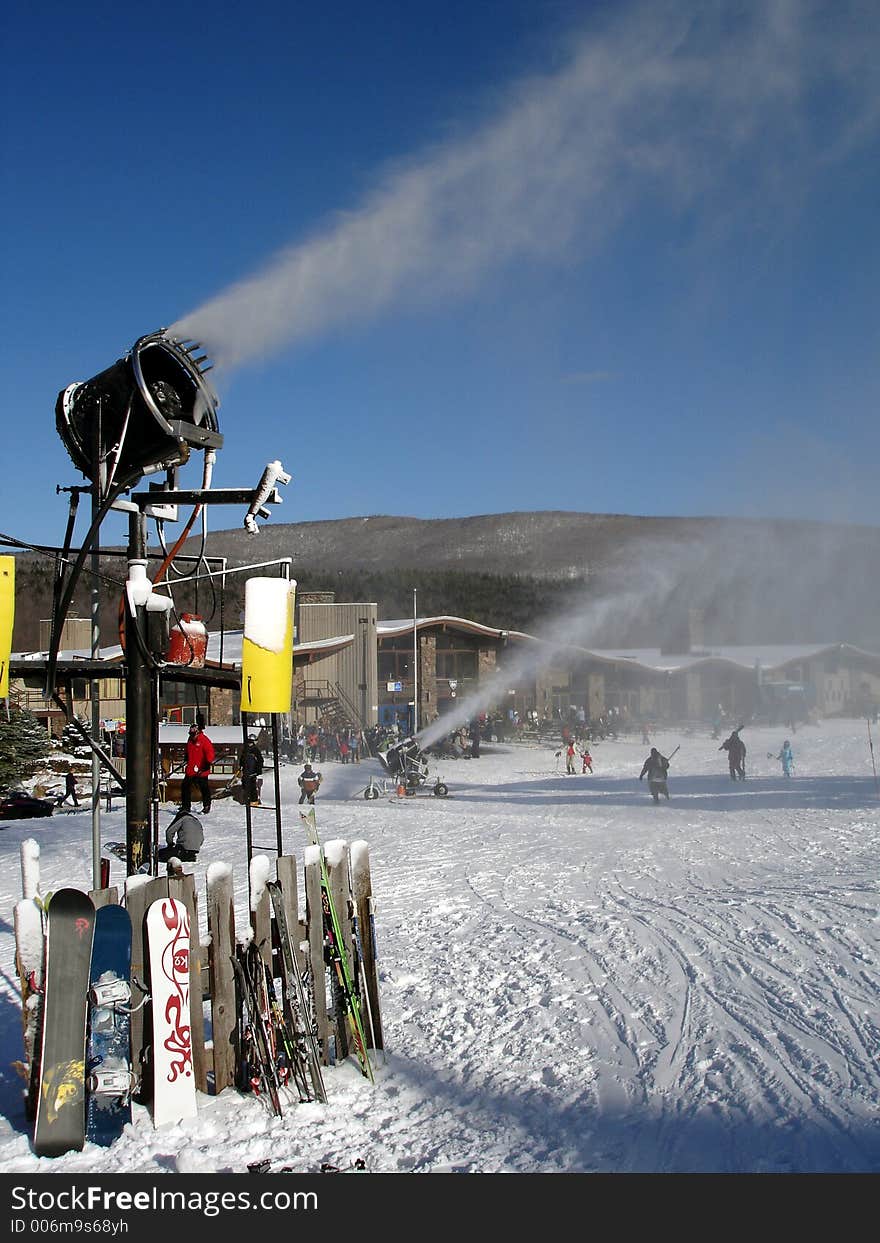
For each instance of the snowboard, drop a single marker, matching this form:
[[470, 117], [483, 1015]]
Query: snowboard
[[174, 1086], [61, 1116], [108, 1050]]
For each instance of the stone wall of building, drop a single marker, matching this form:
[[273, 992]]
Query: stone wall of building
[[427, 672]]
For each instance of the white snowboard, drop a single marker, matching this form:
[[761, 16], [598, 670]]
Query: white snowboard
[[174, 1085]]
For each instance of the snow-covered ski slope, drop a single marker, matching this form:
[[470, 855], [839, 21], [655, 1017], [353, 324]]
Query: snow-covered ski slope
[[572, 978]]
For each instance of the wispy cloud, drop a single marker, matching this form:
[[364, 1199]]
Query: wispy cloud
[[709, 108]]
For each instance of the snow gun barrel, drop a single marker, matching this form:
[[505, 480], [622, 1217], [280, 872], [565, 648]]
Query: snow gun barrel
[[146, 412]]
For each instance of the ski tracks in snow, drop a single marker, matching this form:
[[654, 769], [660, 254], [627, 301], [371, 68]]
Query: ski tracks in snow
[[667, 1003]]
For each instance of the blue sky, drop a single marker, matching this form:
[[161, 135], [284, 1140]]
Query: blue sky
[[458, 258]]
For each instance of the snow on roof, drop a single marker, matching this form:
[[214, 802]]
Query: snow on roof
[[769, 656], [386, 629]]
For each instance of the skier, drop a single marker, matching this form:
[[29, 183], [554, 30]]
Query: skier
[[200, 756], [588, 760], [736, 755], [308, 782], [183, 838], [786, 757], [656, 768], [570, 753], [251, 767]]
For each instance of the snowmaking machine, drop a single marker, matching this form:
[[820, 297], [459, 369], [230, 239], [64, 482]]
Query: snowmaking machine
[[407, 769]]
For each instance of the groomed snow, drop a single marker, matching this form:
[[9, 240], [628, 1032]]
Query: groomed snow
[[572, 979]]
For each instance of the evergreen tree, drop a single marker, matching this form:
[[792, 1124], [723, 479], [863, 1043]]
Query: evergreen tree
[[23, 744], [72, 741]]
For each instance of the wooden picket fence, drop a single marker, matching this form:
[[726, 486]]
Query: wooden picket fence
[[212, 980]]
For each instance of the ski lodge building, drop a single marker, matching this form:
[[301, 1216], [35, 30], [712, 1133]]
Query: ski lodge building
[[353, 669]]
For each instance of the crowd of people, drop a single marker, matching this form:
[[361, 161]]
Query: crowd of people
[[314, 744], [347, 744]]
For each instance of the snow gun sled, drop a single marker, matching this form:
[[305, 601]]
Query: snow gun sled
[[407, 769]]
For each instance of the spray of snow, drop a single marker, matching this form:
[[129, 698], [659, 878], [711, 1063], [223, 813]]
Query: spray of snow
[[647, 585], [664, 103]]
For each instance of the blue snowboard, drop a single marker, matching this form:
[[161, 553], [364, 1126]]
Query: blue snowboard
[[108, 1053]]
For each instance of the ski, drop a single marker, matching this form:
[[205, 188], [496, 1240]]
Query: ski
[[249, 1070], [258, 1033], [290, 1058], [337, 957], [303, 1025]]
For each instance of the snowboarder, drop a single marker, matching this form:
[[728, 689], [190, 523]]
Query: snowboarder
[[786, 757], [308, 782], [588, 760], [656, 768], [200, 756], [183, 837], [736, 755], [251, 767]]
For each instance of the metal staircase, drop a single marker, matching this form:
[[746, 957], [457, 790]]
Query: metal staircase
[[334, 710]]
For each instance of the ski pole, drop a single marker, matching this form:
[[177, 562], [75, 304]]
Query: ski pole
[[873, 765], [360, 949]]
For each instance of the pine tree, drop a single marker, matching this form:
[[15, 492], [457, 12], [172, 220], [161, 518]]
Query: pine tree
[[23, 744], [72, 741]]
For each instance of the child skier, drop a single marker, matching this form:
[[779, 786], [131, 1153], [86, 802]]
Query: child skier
[[786, 757], [588, 760]]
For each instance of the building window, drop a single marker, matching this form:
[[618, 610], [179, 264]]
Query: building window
[[458, 665]]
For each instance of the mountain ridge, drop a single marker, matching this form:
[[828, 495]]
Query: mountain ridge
[[749, 579]]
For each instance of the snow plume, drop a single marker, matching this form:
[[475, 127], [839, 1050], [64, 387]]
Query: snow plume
[[726, 108], [633, 588], [772, 581]]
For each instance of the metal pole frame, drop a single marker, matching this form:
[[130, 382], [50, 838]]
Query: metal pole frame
[[415, 665]]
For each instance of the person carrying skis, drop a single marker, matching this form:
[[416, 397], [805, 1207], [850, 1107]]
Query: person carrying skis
[[786, 757], [736, 755], [308, 782], [656, 769], [200, 756]]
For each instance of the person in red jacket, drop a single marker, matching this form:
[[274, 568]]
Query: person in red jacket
[[199, 758]]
